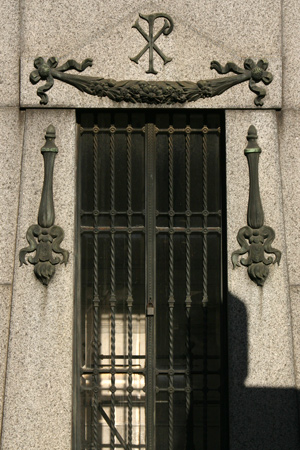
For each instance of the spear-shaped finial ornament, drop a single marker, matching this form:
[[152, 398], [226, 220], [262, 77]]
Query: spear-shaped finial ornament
[[256, 238], [44, 238]]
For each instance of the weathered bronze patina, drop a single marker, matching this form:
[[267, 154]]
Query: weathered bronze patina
[[151, 92], [44, 238], [256, 238], [150, 38]]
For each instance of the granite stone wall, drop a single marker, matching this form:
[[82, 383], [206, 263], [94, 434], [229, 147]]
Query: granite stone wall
[[289, 141], [36, 323], [11, 140]]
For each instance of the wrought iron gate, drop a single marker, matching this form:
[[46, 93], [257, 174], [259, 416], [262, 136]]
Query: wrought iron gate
[[149, 335]]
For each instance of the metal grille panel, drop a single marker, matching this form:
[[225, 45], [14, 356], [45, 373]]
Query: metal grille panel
[[150, 278]]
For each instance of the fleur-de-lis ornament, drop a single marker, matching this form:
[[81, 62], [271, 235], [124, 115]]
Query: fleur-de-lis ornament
[[44, 238], [256, 238]]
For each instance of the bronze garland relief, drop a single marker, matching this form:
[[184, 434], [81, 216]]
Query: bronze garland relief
[[151, 92]]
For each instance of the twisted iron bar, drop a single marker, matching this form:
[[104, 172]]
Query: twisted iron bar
[[130, 387], [112, 285], [129, 212], [129, 285], [188, 217], [188, 300], [205, 386], [205, 297], [95, 302], [171, 300], [171, 215]]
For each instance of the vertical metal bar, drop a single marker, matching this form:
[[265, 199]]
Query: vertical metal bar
[[205, 385], [150, 283], [171, 300], [112, 284], [78, 412], [95, 301], [129, 284], [188, 299], [205, 296]]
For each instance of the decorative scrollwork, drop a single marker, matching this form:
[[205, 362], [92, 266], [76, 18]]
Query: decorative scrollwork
[[256, 238], [151, 92], [44, 238]]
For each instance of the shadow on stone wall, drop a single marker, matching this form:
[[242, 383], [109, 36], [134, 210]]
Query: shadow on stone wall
[[261, 418]]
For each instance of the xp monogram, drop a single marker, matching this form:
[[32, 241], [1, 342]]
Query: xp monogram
[[150, 38]]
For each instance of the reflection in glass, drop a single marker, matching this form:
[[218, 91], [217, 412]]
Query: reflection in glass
[[186, 344]]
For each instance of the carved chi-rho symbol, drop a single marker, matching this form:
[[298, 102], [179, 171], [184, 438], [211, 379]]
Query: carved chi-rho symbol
[[150, 38]]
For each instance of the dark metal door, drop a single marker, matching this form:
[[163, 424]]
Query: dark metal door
[[149, 310]]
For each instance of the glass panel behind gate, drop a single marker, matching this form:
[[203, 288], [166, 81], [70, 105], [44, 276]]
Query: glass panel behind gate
[[188, 273], [188, 250], [113, 282]]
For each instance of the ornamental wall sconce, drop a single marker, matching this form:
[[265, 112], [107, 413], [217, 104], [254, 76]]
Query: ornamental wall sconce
[[44, 238], [256, 238]]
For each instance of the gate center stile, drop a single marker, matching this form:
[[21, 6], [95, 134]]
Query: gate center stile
[[150, 197]]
